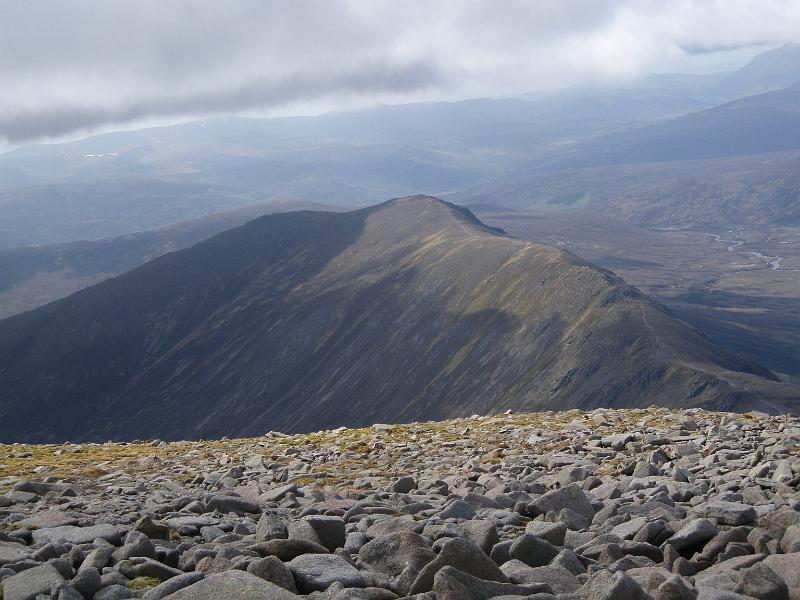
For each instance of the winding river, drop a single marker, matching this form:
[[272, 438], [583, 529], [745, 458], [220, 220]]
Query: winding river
[[774, 262]]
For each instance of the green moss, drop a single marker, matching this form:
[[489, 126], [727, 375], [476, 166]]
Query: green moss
[[143, 582]]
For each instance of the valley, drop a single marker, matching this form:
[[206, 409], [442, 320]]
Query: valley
[[724, 284]]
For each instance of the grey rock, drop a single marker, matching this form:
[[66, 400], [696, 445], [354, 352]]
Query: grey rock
[[136, 544], [12, 553], [709, 593], [571, 496], [286, 550], [97, 559], [465, 556], [232, 585], [31, 582], [483, 533], [115, 592], [457, 509], [533, 551], [730, 513], [273, 570], [559, 579], [403, 485], [62, 591], [790, 542], [397, 554], [787, 567], [551, 532], [77, 535], [605, 585], [759, 581], [675, 588], [277, 494], [271, 526], [146, 567], [153, 530], [316, 572], [87, 581], [695, 533], [451, 584], [328, 531], [172, 585], [233, 504]]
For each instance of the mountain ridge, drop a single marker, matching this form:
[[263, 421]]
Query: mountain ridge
[[409, 310]]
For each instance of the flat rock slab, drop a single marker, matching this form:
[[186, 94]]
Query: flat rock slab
[[76, 535], [11, 553], [31, 582], [46, 519], [233, 585]]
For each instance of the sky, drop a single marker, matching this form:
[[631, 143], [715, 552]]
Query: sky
[[73, 67]]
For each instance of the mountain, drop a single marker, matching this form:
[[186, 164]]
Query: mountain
[[756, 190], [771, 70], [768, 122], [33, 276], [408, 310]]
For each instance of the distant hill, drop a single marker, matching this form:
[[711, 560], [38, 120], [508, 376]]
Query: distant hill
[[771, 70], [759, 189], [409, 310], [33, 276], [768, 122]]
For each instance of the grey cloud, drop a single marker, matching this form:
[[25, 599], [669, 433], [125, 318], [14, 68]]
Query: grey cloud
[[66, 118], [78, 65]]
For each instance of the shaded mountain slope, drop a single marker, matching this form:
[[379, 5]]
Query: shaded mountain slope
[[33, 276], [405, 311]]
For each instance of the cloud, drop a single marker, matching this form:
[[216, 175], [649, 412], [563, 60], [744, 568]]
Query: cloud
[[79, 65]]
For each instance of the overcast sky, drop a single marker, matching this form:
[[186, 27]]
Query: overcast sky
[[77, 66]]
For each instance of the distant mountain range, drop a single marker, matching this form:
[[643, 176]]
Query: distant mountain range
[[409, 310], [120, 183]]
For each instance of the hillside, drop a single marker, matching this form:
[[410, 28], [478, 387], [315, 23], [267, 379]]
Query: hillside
[[771, 70], [409, 310], [754, 190], [33, 276], [768, 122]]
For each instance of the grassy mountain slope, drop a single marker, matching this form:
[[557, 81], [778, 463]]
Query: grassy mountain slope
[[409, 310]]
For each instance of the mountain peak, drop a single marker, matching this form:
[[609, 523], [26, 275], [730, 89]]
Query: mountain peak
[[429, 212]]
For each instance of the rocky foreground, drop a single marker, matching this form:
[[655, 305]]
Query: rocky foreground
[[618, 505]]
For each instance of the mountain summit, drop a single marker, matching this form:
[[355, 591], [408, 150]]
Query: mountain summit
[[409, 310]]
